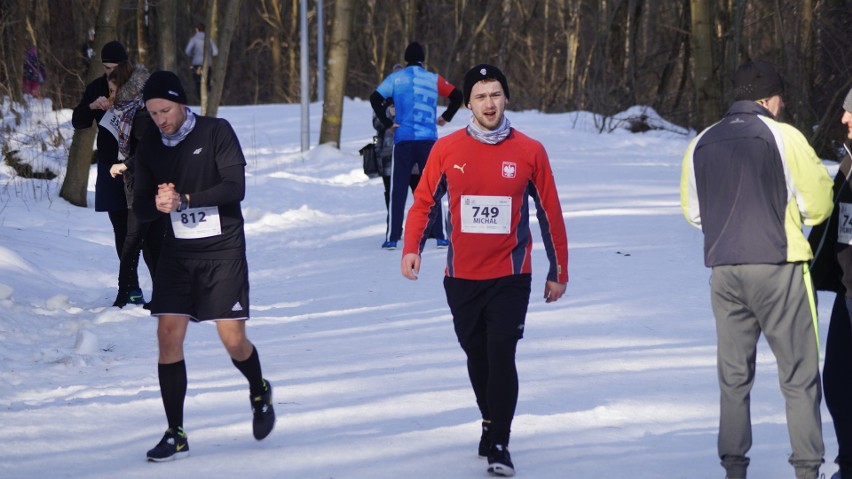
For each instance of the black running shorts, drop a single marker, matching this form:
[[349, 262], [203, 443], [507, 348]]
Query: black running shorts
[[495, 308], [202, 289]]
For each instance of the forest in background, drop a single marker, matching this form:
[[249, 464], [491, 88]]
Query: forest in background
[[602, 56]]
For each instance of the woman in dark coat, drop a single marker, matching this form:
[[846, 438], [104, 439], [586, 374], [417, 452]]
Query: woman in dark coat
[[109, 190]]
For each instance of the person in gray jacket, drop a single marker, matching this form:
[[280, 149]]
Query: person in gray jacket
[[749, 182], [195, 50]]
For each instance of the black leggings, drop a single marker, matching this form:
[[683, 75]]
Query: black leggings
[[494, 378], [146, 237], [835, 379], [118, 218], [488, 317]]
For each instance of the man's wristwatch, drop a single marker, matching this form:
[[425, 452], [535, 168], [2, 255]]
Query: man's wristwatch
[[184, 202]]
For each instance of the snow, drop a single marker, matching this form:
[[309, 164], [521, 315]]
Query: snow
[[617, 379]]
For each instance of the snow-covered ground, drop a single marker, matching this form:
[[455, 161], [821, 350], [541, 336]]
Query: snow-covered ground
[[618, 378]]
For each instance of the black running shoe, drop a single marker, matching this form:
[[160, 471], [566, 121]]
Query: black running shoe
[[500, 462], [264, 414], [172, 446], [485, 439], [121, 299]]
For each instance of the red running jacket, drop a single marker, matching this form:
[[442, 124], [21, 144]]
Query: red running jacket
[[488, 188]]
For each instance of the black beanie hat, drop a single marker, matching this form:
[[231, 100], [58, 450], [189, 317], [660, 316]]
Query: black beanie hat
[[166, 85], [414, 53], [483, 72], [756, 80], [113, 52]]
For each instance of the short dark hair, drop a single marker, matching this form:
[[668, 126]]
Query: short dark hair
[[200, 26]]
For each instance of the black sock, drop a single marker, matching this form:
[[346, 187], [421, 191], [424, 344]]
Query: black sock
[[251, 370], [173, 391]]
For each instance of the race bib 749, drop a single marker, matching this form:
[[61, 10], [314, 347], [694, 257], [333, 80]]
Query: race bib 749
[[486, 214]]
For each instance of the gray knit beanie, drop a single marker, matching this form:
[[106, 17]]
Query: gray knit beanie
[[847, 103]]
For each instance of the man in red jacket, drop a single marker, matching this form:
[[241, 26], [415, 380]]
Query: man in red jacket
[[489, 172]]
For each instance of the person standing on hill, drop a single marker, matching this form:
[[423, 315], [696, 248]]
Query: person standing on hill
[[195, 51], [415, 93], [749, 182], [34, 73], [489, 172]]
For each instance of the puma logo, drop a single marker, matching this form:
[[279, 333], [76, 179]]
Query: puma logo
[[460, 167]]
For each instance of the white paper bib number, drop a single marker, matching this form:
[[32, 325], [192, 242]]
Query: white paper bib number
[[844, 224], [110, 122], [486, 214], [194, 223]]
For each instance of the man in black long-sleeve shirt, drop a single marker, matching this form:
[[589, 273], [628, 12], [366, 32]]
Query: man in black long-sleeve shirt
[[192, 168]]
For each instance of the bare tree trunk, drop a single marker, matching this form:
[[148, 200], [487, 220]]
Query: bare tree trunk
[[408, 22], [591, 10], [14, 38], [142, 44], [805, 67], [335, 83], [212, 21], [166, 34], [294, 77], [80, 155], [270, 11], [733, 41], [226, 28], [505, 30], [671, 63], [707, 86], [634, 18], [569, 21], [544, 58]]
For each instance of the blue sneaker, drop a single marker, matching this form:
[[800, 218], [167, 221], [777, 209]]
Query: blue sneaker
[[389, 245], [136, 297], [442, 243]]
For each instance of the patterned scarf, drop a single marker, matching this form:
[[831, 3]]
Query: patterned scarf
[[182, 132], [489, 137], [128, 100], [126, 112]]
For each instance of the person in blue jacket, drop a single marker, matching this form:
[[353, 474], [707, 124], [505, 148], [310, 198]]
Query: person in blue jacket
[[415, 93]]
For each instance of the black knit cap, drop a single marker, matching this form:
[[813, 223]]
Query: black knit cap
[[414, 53], [756, 80], [113, 52], [483, 72], [164, 84]]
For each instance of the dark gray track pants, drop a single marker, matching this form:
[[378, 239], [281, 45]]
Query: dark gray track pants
[[749, 300]]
